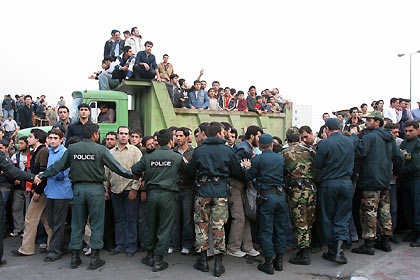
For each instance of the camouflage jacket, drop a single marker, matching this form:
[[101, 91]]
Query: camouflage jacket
[[299, 158]]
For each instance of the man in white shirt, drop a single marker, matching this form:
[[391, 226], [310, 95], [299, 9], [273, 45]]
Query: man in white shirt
[[135, 41], [10, 127], [392, 111]]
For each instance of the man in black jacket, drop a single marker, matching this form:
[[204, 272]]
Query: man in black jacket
[[379, 154], [25, 113], [114, 46]]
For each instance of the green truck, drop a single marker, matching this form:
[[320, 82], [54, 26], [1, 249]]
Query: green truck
[[152, 110]]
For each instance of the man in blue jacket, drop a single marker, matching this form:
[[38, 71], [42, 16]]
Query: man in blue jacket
[[379, 154], [198, 98], [335, 159], [59, 193]]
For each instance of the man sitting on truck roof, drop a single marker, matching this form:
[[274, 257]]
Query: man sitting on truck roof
[[146, 67], [124, 68]]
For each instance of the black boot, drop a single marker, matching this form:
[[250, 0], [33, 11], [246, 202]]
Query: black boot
[[75, 259], [384, 244], [159, 264], [278, 262], [411, 237], [366, 248], [416, 242], [339, 256], [219, 269], [201, 263], [149, 259], [267, 266], [95, 261], [302, 257], [330, 255]]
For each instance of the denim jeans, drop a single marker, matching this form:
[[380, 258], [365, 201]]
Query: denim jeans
[[183, 230], [5, 196], [7, 113], [106, 82], [125, 215]]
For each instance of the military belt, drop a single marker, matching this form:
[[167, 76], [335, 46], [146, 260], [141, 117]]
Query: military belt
[[278, 190]]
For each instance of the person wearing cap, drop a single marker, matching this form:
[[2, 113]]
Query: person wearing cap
[[268, 169], [379, 159], [335, 159], [298, 159], [416, 112], [211, 165]]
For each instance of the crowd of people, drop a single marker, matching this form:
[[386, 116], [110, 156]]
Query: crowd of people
[[232, 194], [129, 59]]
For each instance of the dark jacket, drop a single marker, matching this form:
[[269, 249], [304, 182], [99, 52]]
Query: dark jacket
[[412, 158], [335, 156], [109, 48], [39, 162], [378, 154], [213, 159], [25, 117], [186, 182], [268, 168], [8, 104], [251, 102]]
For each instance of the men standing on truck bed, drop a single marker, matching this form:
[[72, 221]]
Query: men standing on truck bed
[[146, 67]]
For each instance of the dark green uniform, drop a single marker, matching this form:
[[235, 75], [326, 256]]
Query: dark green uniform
[[268, 168], [411, 182], [86, 160], [162, 170], [335, 158]]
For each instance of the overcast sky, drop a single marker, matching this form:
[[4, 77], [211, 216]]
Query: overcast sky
[[328, 54]]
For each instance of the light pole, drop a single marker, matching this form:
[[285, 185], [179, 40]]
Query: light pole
[[401, 55]]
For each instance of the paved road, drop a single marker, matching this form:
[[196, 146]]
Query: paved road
[[402, 263]]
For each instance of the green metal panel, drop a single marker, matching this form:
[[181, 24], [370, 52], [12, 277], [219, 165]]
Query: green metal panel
[[152, 103]]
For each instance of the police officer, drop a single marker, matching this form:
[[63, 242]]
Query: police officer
[[378, 153], [411, 179], [86, 160], [212, 163], [162, 169], [302, 193], [335, 159], [268, 169], [11, 172]]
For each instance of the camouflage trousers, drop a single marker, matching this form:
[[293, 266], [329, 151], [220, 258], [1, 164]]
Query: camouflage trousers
[[210, 211], [375, 208], [302, 201]]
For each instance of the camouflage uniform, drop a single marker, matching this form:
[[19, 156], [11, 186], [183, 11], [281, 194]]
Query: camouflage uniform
[[215, 210], [302, 195], [375, 206]]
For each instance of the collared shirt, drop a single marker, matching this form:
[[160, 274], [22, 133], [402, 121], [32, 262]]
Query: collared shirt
[[58, 186], [127, 157], [416, 114], [10, 126], [150, 60]]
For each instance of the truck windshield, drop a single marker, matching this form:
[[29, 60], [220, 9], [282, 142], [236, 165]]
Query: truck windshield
[[74, 110]]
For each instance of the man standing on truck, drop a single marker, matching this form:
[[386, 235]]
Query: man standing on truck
[[76, 129], [89, 194], [146, 67]]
